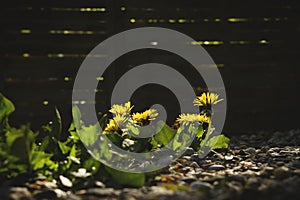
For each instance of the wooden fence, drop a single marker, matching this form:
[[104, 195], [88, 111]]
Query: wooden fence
[[255, 45]]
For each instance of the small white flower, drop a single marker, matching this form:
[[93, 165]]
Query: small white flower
[[127, 143], [81, 173]]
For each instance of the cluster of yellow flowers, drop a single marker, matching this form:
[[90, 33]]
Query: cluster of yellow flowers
[[115, 123], [122, 116], [205, 100], [122, 110], [144, 117], [186, 119]]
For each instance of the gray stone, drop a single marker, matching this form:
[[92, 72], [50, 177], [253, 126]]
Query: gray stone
[[15, 193], [228, 157], [99, 184], [216, 167], [189, 179], [188, 152], [102, 192], [65, 181], [296, 164], [250, 150], [199, 185], [282, 173], [45, 194], [195, 165], [237, 178], [253, 183]]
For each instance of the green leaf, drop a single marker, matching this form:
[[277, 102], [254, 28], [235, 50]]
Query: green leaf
[[76, 116], [115, 138], [91, 164], [73, 151], [218, 142], [89, 135], [127, 179], [44, 143], [20, 142], [200, 132], [6, 108], [41, 159], [73, 132], [133, 129], [165, 135], [63, 147], [103, 121], [56, 127]]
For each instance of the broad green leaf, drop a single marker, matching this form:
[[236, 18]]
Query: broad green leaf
[[176, 144], [104, 149], [115, 138], [6, 108], [127, 179], [185, 136], [165, 135], [218, 142], [133, 129], [89, 135], [200, 132], [20, 142]]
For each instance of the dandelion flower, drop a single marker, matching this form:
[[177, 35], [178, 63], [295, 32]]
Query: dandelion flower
[[111, 127], [144, 117], [187, 119], [115, 124], [207, 99], [119, 109]]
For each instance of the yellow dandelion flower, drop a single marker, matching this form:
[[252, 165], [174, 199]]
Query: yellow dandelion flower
[[119, 109], [144, 117], [112, 126], [207, 99], [115, 123], [186, 119], [120, 119]]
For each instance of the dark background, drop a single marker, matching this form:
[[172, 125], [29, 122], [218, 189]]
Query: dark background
[[255, 45]]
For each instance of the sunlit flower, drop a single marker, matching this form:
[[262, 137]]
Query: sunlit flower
[[186, 119], [144, 117], [207, 99], [119, 109], [115, 123], [111, 127]]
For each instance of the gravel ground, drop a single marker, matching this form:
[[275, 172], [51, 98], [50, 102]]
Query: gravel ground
[[259, 166]]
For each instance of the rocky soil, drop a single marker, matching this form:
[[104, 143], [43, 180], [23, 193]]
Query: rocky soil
[[258, 166]]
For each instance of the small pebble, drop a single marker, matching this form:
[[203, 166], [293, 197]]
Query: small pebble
[[65, 181], [216, 167], [198, 185], [230, 157], [250, 150], [281, 173], [195, 165], [188, 152]]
